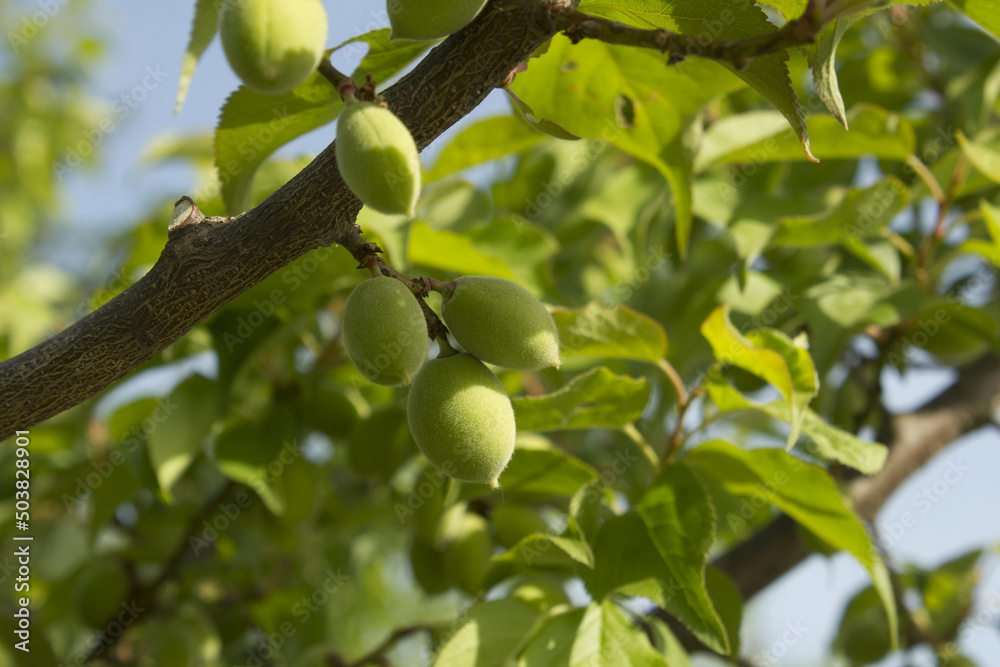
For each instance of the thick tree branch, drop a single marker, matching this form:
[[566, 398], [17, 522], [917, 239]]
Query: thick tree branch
[[206, 264]]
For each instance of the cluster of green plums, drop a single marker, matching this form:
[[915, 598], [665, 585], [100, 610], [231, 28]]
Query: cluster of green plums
[[275, 45], [458, 411]]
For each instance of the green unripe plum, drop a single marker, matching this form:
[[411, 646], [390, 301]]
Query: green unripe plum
[[540, 592], [462, 419], [273, 45], [99, 593], [467, 557], [384, 331], [501, 323], [420, 19], [378, 158]]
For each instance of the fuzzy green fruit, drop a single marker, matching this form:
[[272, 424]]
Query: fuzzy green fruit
[[378, 158], [502, 323], [273, 45], [419, 19], [462, 419], [467, 557], [384, 331]]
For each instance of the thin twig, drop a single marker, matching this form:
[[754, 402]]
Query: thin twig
[[683, 402], [927, 177], [143, 596], [343, 83], [737, 52]]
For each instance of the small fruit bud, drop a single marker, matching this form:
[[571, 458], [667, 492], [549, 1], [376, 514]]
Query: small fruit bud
[[501, 322], [378, 158], [422, 19], [462, 419], [384, 331], [273, 45]]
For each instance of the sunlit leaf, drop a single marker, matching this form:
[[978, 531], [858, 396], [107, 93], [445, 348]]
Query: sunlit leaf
[[769, 354], [681, 522], [203, 29], [595, 399], [803, 491], [615, 332]]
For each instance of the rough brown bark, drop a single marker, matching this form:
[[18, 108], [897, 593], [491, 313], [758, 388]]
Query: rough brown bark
[[205, 265]]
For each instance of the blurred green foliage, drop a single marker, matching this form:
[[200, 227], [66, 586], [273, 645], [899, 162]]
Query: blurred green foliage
[[248, 498]]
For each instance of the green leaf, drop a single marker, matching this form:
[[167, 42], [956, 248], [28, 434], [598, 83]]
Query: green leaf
[[629, 98], [492, 634], [484, 141], [628, 562], [827, 442], [758, 137], [769, 354], [681, 523], [538, 472], [984, 12], [601, 635], [595, 399], [721, 20], [982, 158], [952, 330], [803, 491], [991, 218], [617, 332], [863, 213], [863, 636], [821, 58], [667, 644], [524, 246], [253, 125], [535, 551], [248, 453], [552, 646], [727, 600], [178, 440], [203, 29], [542, 125], [948, 590], [450, 251]]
